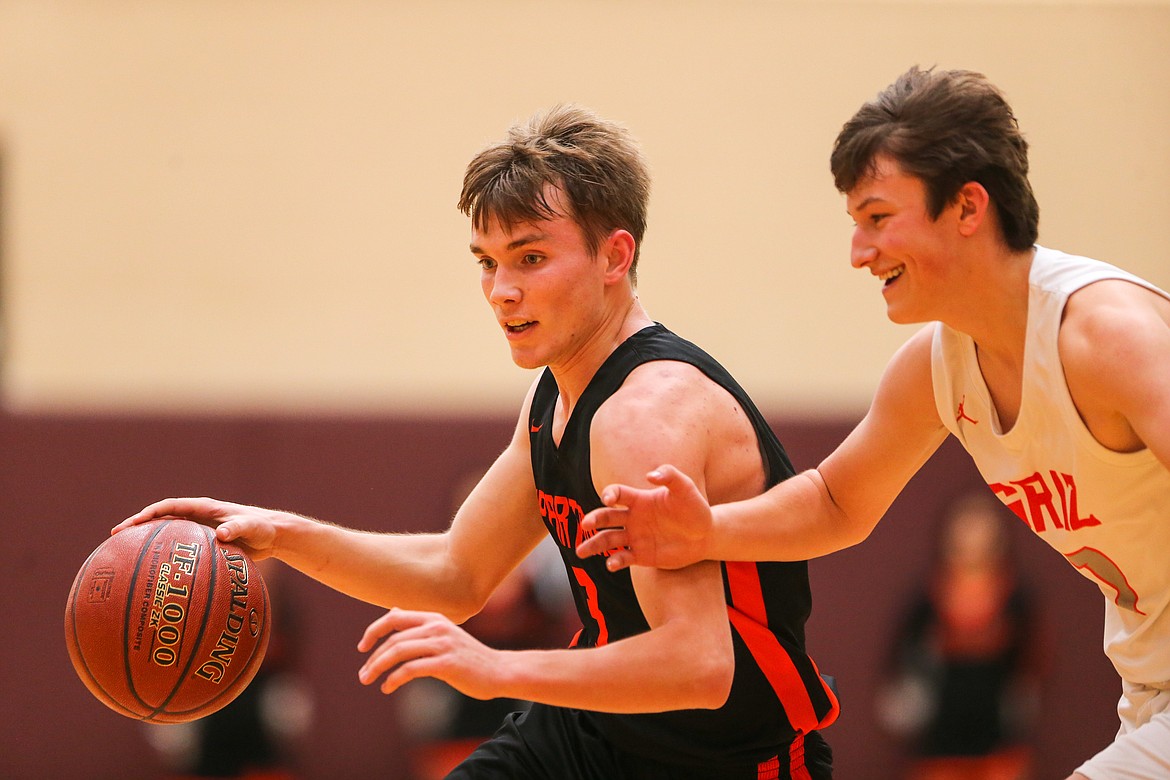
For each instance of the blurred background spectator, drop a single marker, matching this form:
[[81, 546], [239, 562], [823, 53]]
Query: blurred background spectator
[[964, 672]]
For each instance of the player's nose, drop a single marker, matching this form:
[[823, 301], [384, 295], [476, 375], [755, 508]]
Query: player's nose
[[503, 288], [862, 252]]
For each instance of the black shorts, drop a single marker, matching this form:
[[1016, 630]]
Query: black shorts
[[553, 742]]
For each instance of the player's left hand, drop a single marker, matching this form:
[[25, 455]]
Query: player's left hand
[[667, 526], [426, 644]]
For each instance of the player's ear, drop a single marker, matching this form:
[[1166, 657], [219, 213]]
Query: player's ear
[[973, 202], [618, 254]]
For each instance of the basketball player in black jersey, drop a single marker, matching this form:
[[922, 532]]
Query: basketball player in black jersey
[[699, 672]]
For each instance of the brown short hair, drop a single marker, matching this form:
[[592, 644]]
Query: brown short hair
[[947, 128], [595, 163]]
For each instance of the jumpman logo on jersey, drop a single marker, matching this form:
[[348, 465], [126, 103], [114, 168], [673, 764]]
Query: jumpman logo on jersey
[[962, 415]]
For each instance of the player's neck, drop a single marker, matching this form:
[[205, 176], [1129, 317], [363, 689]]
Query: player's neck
[[994, 312], [575, 373], [999, 329]]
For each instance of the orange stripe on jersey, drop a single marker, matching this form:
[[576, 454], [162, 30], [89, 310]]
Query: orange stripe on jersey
[[835, 710], [750, 617], [747, 595], [796, 767], [785, 678], [768, 770]]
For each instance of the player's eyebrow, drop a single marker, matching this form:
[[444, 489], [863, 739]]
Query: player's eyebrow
[[863, 204], [516, 243]]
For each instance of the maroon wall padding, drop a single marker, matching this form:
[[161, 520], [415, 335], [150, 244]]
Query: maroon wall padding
[[64, 480]]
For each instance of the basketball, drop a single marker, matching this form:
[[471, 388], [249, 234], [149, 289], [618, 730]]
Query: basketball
[[165, 623]]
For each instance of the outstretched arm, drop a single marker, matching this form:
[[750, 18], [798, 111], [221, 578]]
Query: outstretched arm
[[814, 513], [452, 572]]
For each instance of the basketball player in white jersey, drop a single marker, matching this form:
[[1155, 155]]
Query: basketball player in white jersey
[[1052, 370]]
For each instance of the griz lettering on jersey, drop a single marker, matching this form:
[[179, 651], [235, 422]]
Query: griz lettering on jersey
[[563, 516], [1053, 495]]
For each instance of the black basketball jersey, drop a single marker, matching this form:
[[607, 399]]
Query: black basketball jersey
[[777, 691]]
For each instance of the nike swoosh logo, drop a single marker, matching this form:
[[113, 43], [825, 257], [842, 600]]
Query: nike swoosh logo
[[535, 428]]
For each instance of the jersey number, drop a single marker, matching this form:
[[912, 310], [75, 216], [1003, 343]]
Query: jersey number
[[594, 608], [1096, 563]]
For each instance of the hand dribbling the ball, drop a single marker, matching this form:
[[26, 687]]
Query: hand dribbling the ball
[[251, 528], [196, 641]]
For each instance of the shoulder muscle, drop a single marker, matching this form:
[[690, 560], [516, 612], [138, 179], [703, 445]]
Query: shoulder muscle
[[1115, 350], [670, 412]]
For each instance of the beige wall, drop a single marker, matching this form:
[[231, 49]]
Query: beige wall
[[251, 204]]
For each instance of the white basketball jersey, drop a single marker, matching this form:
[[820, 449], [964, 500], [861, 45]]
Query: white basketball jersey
[[1107, 512]]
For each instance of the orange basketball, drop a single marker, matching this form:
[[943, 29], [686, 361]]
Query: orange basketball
[[165, 623]]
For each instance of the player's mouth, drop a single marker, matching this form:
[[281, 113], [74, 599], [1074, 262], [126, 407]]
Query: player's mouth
[[516, 327], [889, 276]]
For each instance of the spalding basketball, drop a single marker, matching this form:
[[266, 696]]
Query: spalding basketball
[[165, 623]]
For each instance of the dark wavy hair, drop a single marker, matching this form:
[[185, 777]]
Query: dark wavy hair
[[595, 163], [947, 128]]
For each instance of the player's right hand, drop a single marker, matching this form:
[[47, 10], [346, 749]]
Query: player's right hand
[[251, 528], [665, 526]]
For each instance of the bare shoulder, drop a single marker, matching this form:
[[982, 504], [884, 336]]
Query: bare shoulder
[[1114, 347], [671, 412], [1113, 312], [903, 420], [907, 376], [917, 348], [1110, 330], [898, 434], [660, 380], [663, 398]]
